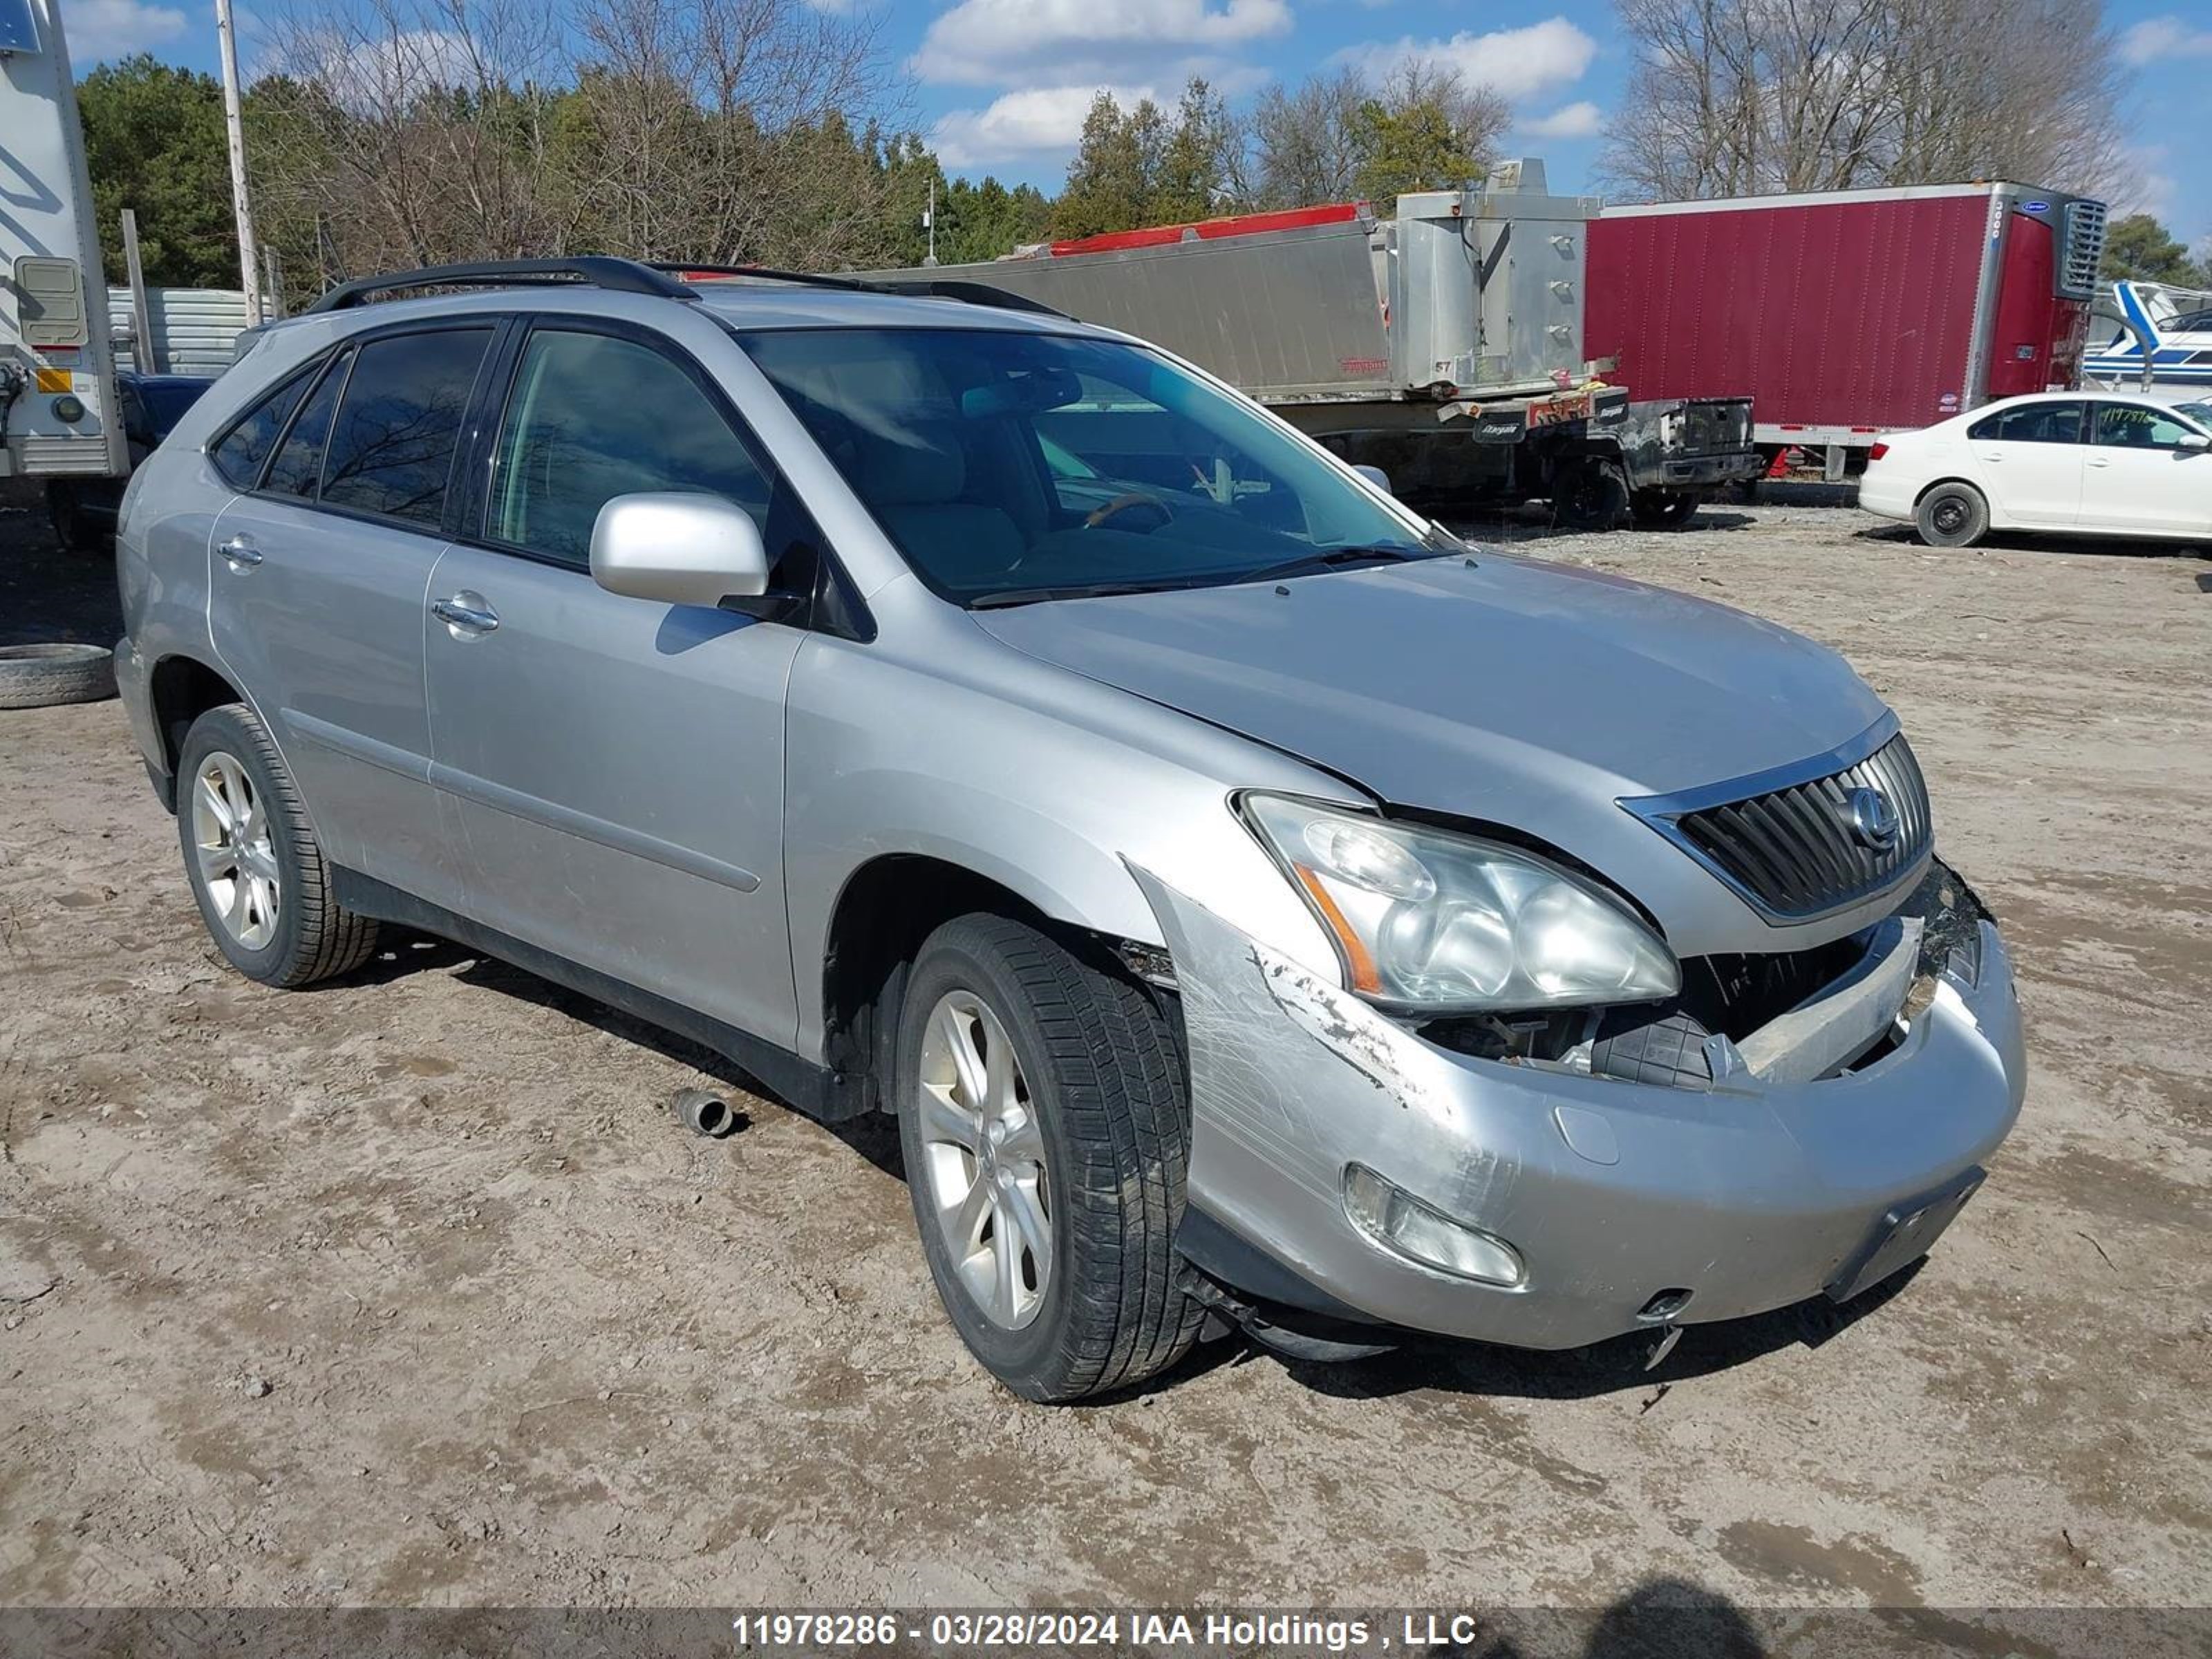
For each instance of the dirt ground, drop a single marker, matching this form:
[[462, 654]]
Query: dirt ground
[[409, 1290]]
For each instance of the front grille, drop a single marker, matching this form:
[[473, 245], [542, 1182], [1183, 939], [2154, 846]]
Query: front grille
[[1794, 851]]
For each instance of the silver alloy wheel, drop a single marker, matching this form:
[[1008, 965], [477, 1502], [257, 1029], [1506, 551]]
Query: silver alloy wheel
[[983, 1157], [237, 860]]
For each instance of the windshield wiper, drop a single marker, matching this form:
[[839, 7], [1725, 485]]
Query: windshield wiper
[[1000, 599], [1329, 558]]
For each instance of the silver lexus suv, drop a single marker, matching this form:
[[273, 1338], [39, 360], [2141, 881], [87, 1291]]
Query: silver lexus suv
[[1259, 907]]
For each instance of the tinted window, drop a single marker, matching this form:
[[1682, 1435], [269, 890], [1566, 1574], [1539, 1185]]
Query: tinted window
[[298, 467], [2033, 424], [239, 455], [391, 451], [1009, 466], [590, 418], [2133, 425]]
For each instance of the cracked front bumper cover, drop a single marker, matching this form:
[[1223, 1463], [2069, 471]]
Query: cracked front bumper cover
[[1751, 1196]]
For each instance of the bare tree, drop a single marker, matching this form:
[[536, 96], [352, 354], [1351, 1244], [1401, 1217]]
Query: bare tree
[[1326, 139], [1738, 97]]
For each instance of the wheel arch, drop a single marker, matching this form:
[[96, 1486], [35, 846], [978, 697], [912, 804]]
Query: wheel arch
[[886, 908], [179, 689]]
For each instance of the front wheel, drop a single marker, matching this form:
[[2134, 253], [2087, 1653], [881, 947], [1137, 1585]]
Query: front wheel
[[1042, 1117], [1952, 515]]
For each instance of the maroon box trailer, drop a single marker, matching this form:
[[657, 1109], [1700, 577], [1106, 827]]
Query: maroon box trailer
[[1847, 314]]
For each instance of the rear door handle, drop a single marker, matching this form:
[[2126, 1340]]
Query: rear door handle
[[2100, 460], [466, 612], [241, 552]]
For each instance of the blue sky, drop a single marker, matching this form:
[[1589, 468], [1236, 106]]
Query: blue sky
[[1001, 85]]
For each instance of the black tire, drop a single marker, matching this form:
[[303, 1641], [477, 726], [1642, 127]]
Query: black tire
[[1591, 497], [1105, 1077], [1663, 509], [41, 675], [1647, 1045], [1952, 515], [313, 937]]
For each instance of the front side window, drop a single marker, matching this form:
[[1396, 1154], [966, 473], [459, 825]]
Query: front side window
[[392, 444], [592, 416], [1009, 467], [2033, 424], [239, 455], [2137, 426]]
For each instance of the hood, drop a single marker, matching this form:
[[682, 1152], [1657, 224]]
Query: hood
[[1505, 689]]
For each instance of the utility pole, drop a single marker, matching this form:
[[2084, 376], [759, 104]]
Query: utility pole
[[929, 221], [249, 266], [143, 357]]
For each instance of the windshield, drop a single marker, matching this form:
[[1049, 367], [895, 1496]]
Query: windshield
[[2199, 412], [1009, 467]]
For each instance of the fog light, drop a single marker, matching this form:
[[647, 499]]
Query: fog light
[[68, 408], [1395, 1217]]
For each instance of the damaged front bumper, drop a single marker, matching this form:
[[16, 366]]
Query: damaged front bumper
[[1618, 1197]]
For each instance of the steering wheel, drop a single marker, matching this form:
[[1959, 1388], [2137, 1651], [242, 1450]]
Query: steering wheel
[[1151, 507]]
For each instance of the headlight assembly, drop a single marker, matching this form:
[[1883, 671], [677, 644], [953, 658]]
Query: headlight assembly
[[1430, 921]]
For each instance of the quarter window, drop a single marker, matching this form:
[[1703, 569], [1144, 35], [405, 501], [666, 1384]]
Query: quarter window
[[392, 447], [240, 455], [592, 416], [2133, 426], [2032, 423], [298, 468]]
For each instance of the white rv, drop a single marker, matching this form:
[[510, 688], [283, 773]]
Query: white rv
[[59, 409]]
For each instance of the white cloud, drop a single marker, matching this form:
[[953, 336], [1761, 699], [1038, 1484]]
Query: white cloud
[[1001, 42], [101, 29], [2156, 39], [367, 72], [1581, 120], [2144, 185], [1035, 122], [1519, 62]]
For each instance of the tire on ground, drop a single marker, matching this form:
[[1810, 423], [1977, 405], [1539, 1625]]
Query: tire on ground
[[41, 675], [1663, 509], [315, 937], [1952, 515], [1106, 1070], [1591, 497]]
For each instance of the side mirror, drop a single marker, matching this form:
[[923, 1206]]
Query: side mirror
[[2194, 440], [1376, 475], [678, 548]]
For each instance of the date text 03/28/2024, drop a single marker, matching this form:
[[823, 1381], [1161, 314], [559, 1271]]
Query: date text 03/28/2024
[[1014, 1631]]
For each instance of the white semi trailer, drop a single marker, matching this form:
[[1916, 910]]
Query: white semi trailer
[[60, 414]]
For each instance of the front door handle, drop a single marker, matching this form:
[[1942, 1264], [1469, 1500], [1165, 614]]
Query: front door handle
[[2100, 460], [241, 552], [466, 613]]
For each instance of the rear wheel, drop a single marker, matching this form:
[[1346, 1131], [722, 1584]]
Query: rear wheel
[[1592, 496], [1952, 515], [1042, 1122], [251, 857]]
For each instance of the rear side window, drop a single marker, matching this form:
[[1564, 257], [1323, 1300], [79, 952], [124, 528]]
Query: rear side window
[[246, 446], [391, 446], [2034, 423], [592, 416], [298, 468]]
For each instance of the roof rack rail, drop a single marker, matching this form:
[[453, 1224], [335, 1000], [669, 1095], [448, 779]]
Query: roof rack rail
[[974, 294], [590, 269]]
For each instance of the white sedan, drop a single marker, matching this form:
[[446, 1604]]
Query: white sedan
[[2085, 464]]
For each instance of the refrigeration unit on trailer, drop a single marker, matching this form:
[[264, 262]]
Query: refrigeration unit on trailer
[[58, 402], [1445, 346], [1848, 314]]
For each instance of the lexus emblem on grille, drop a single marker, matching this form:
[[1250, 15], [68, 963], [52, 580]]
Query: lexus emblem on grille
[[1873, 819]]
